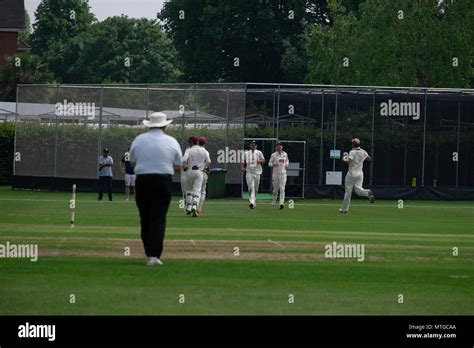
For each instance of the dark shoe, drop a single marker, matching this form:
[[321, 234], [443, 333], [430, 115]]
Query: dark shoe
[[251, 206], [371, 197], [281, 206]]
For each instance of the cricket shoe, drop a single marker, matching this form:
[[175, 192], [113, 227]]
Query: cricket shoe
[[188, 210], [153, 261], [252, 206], [273, 202], [371, 197], [282, 206], [194, 211], [343, 211]]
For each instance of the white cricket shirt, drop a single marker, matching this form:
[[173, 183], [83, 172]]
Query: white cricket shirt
[[196, 156], [281, 159], [250, 158], [358, 156]]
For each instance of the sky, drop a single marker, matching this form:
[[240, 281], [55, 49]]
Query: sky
[[106, 8]]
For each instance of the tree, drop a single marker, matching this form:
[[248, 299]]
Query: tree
[[240, 40], [25, 35], [23, 68], [394, 43], [121, 49], [57, 22]]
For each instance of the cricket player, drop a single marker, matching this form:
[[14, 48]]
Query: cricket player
[[252, 166], [279, 163], [191, 141], [195, 159], [355, 176], [130, 176], [205, 175]]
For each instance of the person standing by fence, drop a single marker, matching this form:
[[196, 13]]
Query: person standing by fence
[[106, 163]]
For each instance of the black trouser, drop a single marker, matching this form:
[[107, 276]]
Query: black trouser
[[153, 197], [105, 184]]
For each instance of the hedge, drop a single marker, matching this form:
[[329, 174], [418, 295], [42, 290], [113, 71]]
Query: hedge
[[7, 139]]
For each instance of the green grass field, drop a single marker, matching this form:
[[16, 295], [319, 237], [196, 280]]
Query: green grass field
[[408, 251]]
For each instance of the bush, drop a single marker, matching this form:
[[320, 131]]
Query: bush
[[7, 140]]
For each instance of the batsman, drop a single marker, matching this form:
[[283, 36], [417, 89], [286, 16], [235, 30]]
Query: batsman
[[279, 163]]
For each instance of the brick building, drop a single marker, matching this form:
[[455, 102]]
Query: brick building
[[12, 22]]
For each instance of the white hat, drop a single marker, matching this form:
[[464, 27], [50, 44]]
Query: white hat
[[157, 119]]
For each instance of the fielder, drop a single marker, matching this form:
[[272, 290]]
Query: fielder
[[191, 141], [205, 175], [279, 163], [195, 159], [355, 176], [252, 166]]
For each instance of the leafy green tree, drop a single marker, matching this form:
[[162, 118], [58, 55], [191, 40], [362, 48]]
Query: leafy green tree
[[22, 69], [240, 40], [121, 49], [394, 43], [57, 22]]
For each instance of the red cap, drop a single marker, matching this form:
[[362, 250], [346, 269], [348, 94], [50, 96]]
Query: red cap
[[193, 140], [202, 140]]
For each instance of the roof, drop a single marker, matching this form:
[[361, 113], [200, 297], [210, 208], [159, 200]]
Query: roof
[[12, 14], [22, 46], [191, 115]]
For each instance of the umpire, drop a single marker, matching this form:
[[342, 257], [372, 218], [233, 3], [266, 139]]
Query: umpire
[[155, 157]]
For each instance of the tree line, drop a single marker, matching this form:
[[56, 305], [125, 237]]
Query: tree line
[[421, 43]]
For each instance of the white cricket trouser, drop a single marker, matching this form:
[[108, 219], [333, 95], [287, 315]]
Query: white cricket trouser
[[182, 180], [253, 183], [279, 183], [203, 190], [353, 183], [193, 186], [130, 179]]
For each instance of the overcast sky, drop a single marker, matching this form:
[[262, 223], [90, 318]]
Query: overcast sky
[[106, 8]]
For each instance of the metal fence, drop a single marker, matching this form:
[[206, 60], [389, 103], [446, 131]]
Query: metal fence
[[62, 129], [417, 137]]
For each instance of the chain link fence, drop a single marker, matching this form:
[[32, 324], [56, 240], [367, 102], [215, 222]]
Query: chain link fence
[[417, 137]]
